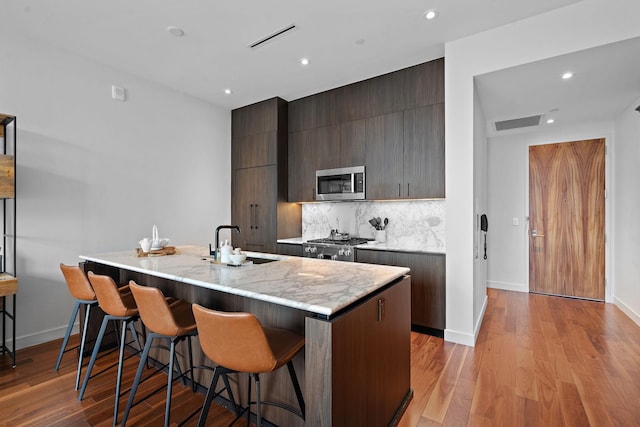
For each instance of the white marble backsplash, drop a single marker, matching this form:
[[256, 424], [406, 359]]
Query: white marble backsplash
[[413, 225]]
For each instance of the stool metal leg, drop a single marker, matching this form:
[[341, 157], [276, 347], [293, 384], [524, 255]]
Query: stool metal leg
[[72, 320], [82, 342], [296, 387], [94, 355], [126, 322], [136, 381], [258, 417], [167, 409]]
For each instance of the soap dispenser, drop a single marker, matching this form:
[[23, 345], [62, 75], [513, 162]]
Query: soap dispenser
[[225, 252]]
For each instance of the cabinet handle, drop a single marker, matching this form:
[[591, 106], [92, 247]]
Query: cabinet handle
[[407, 189], [251, 216], [381, 309], [313, 193], [255, 216], [399, 190]]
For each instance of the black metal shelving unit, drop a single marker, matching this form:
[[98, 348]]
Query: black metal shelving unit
[[8, 275]]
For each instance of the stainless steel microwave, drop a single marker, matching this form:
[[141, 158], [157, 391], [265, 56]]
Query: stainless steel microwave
[[340, 184]]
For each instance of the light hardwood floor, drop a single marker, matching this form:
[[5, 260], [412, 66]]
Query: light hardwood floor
[[539, 361]]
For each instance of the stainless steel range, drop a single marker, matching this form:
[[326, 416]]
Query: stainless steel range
[[337, 247]]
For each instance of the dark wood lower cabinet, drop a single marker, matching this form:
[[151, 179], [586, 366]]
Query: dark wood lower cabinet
[[428, 285], [289, 249]]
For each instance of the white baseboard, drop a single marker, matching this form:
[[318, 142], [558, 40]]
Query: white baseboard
[[459, 337], [480, 319], [465, 338], [627, 310], [506, 286], [42, 337]]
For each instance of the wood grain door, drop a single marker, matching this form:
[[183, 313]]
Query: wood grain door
[[567, 219]]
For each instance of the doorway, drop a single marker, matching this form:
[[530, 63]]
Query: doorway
[[567, 219]]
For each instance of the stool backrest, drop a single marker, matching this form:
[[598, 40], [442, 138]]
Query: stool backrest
[[236, 341], [77, 282], [110, 299], [154, 310]]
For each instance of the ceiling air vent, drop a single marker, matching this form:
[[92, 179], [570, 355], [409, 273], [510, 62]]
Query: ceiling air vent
[[271, 36], [521, 122]]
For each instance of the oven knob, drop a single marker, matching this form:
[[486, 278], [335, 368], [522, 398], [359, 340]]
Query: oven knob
[[307, 249], [341, 252], [334, 257], [314, 249], [347, 252]]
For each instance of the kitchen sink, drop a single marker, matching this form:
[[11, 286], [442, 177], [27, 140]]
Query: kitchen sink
[[260, 260]]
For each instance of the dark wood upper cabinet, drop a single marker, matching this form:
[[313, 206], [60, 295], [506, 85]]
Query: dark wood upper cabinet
[[310, 150], [353, 138], [393, 124], [259, 149], [424, 152], [257, 118], [384, 156]]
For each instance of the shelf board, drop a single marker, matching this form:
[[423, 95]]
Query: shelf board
[[8, 284]]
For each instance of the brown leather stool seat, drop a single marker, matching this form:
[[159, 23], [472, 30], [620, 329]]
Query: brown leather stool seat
[[118, 305], [171, 320], [238, 342]]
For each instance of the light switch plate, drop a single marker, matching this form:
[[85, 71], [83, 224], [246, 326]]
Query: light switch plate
[[515, 221], [118, 93]]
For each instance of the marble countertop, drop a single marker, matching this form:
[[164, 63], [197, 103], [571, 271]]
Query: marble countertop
[[319, 286], [379, 246]]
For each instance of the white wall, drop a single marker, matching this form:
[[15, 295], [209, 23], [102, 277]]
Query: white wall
[[95, 174], [582, 25], [626, 228], [509, 192], [480, 207]]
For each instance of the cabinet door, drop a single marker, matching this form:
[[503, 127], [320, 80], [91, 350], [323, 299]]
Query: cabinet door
[[424, 152], [352, 142], [384, 156], [302, 169], [428, 287], [289, 249], [254, 206], [254, 150], [309, 151], [428, 283]]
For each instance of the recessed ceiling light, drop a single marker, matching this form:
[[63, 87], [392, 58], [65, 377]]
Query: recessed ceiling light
[[304, 61], [549, 121], [175, 31], [228, 91], [567, 75], [431, 14]]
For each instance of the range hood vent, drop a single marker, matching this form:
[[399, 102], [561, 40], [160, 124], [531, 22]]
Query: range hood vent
[[521, 122], [271, 36]]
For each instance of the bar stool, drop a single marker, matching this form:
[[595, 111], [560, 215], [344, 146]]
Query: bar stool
[[238, 342], [172, 321], [117, 305], [79, 288]]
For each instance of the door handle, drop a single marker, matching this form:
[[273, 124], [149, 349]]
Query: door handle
[[534, 234]]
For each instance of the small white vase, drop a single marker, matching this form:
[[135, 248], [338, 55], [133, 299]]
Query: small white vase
[[381, 236]]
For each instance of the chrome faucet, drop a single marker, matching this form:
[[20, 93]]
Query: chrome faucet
[[217, 242]]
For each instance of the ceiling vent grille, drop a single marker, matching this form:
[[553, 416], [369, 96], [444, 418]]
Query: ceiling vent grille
[[521, 122], [271, 36]]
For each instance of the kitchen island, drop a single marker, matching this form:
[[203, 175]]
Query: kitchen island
[[355, 369]]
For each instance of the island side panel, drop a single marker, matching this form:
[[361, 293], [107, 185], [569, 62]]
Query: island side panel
[[359, 364]]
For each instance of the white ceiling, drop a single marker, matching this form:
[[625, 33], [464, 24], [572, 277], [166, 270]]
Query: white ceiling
[[606, 81], [131, 35]]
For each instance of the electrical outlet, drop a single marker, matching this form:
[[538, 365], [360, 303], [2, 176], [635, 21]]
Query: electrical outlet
[[515, 221]]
